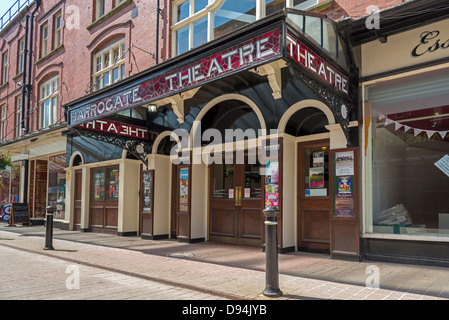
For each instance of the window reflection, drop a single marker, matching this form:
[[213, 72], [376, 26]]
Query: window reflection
[[232, 15], [199, 32]]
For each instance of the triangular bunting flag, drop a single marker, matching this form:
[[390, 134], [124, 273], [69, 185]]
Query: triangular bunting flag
[[388, 121], [407, 128], [397, 125], [381, 116], [416, 132], [442, 134], [430, 133]]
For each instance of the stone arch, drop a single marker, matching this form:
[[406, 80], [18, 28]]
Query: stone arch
[[301, 105], [222, 98], [73, 159]]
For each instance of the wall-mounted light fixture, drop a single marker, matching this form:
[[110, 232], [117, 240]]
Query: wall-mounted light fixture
[[152, 108]]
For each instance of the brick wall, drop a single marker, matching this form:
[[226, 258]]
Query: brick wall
[[81, 37]]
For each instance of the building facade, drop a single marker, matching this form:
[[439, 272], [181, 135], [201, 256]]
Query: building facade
[[184, 119], [405, 133]]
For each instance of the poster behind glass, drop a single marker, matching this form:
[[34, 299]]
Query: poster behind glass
[[184, 190], [272, 184], [147, 184], [99, 184], [113, 183]]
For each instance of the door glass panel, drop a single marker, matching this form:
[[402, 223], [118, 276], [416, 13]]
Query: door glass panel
[[113, 183], [252, 187], [98, 182], [223, 181], [316, 164]]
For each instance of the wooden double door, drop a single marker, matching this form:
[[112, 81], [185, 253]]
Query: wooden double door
[[235, 215]]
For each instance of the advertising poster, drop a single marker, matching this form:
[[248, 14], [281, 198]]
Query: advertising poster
[[318, 159], [272, 172], [146, 187], [316, 176], [272, 195], [99, 185], [184, 190], [344, 204], [344, 163], [344, 184]]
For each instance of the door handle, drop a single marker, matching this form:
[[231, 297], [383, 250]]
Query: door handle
[[240, 196], [236, 196]]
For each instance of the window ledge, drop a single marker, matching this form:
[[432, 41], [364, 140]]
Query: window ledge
[[109, 14], [4, 85], [17, 76], [53, 52]]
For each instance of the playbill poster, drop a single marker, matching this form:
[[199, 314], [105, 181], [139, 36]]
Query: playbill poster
[[344, 163], [344, 200]]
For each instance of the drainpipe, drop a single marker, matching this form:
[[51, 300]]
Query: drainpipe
[[30, 61], [157, 31], [24, 72]]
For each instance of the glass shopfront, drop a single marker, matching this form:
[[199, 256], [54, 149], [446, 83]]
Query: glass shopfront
[[407, 161]]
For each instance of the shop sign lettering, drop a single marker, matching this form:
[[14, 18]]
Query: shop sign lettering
[[117, 128], [237, 58], [430, 42], [315, 64]]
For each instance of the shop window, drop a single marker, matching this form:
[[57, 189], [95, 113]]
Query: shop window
[[18, 126], [56, 184], [406, 163], [4, 67], [106, 183], [48, 102], [20, 55], [15, 183], [109, 65]]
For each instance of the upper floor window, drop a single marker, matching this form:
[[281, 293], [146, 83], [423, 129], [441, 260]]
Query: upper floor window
[[44, 38], [20, 55], [109, 65], [2, 122], [57, 23], [197, 21], [48, 102], [19, 115], [4, 67], [99, 9]]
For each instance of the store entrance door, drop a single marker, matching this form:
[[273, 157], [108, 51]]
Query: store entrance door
[[314, 202], [235, 202]]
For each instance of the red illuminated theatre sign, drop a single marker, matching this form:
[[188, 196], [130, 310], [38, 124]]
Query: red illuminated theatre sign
[[315, 64], [237, 58], [118, 128]]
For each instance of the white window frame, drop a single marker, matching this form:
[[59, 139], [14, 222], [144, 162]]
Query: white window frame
[[208, 12], [20, 55], [5, 58], [100, 9], [48, 94], [2, 122], [102, 75], [18, 128], [57, 30], [44, 39]]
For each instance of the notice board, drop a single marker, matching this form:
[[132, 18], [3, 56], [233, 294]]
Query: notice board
[[20, 213]]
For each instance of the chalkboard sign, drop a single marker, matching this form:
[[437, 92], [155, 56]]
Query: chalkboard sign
[[20, 213]]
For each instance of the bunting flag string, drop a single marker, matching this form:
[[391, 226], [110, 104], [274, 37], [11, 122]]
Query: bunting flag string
[[416, 131]]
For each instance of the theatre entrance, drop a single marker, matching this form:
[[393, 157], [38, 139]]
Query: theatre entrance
[[235, 201]]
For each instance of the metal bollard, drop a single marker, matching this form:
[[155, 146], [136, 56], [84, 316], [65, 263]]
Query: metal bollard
[[49, 229], [271, 271]]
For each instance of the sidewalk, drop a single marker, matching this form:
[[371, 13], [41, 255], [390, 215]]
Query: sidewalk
[[233, 272]]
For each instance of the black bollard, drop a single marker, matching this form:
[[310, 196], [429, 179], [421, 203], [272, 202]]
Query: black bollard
[[271, 250], [49, 229]]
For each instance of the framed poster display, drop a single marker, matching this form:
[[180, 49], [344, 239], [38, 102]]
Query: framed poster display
[[183, 196], [147, 191]]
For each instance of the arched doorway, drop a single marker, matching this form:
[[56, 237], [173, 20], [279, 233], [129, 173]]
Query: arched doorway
[[313, 178], [235, 204]]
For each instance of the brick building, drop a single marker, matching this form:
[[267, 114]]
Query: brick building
[[111, 82]]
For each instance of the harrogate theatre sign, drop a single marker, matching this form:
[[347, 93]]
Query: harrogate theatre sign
[[240, 57]]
